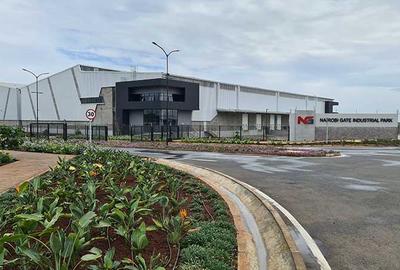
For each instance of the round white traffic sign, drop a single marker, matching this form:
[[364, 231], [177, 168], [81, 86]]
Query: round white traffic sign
[[90, 114]]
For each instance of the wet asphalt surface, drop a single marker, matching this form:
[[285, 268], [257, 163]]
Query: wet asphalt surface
[[350, 205]]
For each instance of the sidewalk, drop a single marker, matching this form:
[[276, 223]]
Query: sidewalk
[[27, 166]]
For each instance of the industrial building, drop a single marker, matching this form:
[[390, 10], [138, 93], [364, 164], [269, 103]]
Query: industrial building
[[123, 98]]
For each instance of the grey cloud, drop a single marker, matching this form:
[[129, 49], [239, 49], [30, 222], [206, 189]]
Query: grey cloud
[[347, 49]]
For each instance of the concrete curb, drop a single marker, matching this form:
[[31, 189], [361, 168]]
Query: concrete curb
[[282, 252]]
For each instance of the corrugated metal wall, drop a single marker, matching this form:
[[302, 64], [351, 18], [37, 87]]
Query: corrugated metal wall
[[61, 93], [61, 100]]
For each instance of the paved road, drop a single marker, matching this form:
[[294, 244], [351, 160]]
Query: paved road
[[350, 205]]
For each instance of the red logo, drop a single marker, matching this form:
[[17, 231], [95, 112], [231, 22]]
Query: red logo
[[308, 120]]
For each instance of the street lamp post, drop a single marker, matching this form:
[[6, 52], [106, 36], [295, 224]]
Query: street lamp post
[[266, 124], [37, 98], [19, 114], [167, 82]]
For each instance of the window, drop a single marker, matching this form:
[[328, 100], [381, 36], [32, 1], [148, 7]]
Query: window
[[159, 117], [151, 95]]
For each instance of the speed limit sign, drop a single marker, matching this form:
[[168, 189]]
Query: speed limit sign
[[90, 114]]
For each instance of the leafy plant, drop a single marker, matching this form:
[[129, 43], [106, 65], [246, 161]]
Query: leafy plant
[[102, 262], [10, 137]]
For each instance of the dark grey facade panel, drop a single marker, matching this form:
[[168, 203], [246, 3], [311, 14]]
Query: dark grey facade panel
[[123, 105], [329, 106]]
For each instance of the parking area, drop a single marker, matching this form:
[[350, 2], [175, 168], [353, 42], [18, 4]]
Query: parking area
[[350, 205]]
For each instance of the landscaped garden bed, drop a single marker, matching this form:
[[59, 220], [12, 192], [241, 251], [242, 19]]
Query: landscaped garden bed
[[260, 149], [235, 140], [110, 210]]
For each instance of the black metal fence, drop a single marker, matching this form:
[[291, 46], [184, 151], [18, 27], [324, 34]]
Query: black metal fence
[[66, 132], [153, 133]]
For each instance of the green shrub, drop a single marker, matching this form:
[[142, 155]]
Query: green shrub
[[204, 257], [120, 138], [211, 247], [10, 137], [234, 140], [190, 267], [5, 158], [55, 147], [210, 232]]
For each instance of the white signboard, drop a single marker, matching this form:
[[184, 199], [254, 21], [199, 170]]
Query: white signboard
[[356, 120], [90, 114]]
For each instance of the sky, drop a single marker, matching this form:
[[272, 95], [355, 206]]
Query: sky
[[343, 49]]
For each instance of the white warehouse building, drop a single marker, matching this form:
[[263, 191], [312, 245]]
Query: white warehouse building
[[123, 98]]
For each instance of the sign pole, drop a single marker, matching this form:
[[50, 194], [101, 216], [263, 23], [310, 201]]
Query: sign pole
[[90, 131], [327, 133]]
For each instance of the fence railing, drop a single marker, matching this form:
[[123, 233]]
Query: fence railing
[[153, 133], [67, 132]]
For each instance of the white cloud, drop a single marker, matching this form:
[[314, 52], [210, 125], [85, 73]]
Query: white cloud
[[346, 49]]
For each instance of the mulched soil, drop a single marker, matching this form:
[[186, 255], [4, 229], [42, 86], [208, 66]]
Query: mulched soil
[[224, 148]]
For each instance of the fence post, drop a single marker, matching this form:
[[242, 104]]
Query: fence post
[[152, 133], [177, 130], [327, 134], [240, 136], [48, 131], [30, 131], [263, 131], [65, 130], [219, 132], [288, 131], [106, 133]]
